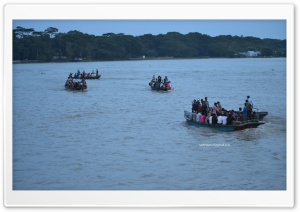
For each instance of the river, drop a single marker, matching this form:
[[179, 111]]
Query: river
[[121, 135]]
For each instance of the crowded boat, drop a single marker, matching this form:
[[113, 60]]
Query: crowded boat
[[159, 84], [204, 114], [75, 84]]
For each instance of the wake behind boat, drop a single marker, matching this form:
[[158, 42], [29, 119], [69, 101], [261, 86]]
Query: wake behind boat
[[226, 127]]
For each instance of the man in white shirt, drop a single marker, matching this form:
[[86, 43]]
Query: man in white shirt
[[250, 101], [198, 117], [220, 120]]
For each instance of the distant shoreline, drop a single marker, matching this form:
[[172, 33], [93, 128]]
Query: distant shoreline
[[133, 59]]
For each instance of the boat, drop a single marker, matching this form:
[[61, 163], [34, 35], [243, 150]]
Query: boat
[[227, 128], [159, 85], [75, 84]]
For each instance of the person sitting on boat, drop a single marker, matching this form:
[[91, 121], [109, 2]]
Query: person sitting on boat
[[207, 118], [166, 79], [224, 118], [234, 115], [220, 120], [216, 109], [198, 117], [214, 119], [153, 78], [254, 116], [229, 119], [241, 116], [159, 78], [202, 120], [194, 116], [70, 76]]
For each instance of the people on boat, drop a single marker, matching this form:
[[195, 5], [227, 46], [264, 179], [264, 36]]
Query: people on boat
[[208, 117], [254, 116], [204, 107], [159, 79], [220, 120], [206, 102], [202, 119], [166, 79], [198, 117], [224, 118], [153, 78], [250, 100], [249, 109], [229, 119], [214, 119], [245, 111]]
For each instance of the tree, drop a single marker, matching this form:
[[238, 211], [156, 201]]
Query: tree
[[51, 31]]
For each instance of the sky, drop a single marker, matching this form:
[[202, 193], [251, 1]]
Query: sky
[[274, 29]]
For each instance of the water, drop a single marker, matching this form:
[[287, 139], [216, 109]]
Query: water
[[121, 135]]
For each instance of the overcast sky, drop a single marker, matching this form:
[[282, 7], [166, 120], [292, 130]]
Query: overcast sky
[[275, 29]]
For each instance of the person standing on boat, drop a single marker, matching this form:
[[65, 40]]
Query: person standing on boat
[[204, 108], [245, 112], [207, 103], [249, 109], [194, 108], [97, 72], [250, 101]]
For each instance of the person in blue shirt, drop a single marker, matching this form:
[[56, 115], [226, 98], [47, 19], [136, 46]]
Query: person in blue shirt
[[245, 112]]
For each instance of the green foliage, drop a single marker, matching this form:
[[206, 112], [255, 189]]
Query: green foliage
[[50, 45]]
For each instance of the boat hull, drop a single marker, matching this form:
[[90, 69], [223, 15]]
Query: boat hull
[[227, 128]]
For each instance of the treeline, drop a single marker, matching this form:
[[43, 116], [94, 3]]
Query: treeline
[[50, 45]]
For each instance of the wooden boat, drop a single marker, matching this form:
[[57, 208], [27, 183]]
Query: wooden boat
[[77, 85], [160, 85], [227, 128]]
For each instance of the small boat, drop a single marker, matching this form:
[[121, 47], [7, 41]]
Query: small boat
[[235, 127], [75, 84], [159, 85]]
